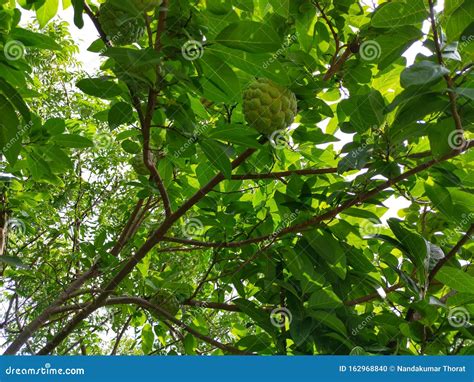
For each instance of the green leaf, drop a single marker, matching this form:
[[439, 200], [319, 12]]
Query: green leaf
[[324, 299], [394, 43], [261, 317], [12, 260], [260, 65], [441, 137], [190, 344], [10, 135], [100, 87], [281, 7], [465, 92], [451, 5], [148, 337], [238, 134], [456, 279], [250, 36], [78, 11], [219, 7], [131, 147], [422, 73], [330, 320], [34, 40], [459, 20], [59, 158], [245, 5], [397, 14], [16, 99], [55, 126], [72, 141], [119, 114], [216, 156], [219, 82], [39, 168], [46, 11], [330, 250], [416, 245]]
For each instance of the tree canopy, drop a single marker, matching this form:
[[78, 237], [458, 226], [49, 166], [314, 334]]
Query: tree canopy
[[144, 213]]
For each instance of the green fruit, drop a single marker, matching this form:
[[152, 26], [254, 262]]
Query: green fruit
[[121, 28], [268, 107], [165, 300], [138, 165]]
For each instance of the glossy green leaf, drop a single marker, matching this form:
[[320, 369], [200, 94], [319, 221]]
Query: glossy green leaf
[[250, 36]]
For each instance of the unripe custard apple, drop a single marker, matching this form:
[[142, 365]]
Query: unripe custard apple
[[121, 28], [268, 107]]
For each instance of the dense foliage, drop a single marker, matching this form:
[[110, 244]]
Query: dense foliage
[[143, 213]]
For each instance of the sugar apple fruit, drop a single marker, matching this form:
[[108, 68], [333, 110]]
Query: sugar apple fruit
[[166, 300], [268, 107], [121, 28]]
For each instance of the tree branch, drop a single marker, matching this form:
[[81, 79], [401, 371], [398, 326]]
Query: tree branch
[[329, 214], [155, 238], [447, 77], [451, 253]]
